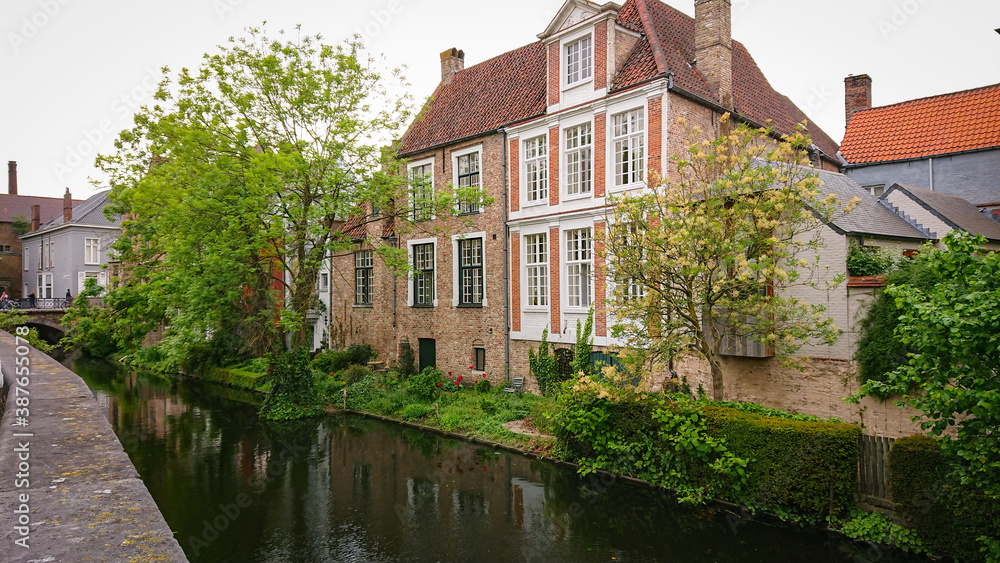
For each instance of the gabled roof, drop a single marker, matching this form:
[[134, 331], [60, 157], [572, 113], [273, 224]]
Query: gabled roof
[[90, 213], [956, 212], [482, 98], [946, 124], [512, 87], [14, 205], [870, 217], [753, 96]]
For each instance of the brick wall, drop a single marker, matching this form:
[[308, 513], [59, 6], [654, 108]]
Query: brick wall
[[600, 282], [515, 282], [601, 55], [515, 175], [655, 124], [553, 72], [555, 292], [600, 148], [554, 165]]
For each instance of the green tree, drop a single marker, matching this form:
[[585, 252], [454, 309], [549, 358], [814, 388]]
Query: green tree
[[952, 329], [716, 250], [235, 183]]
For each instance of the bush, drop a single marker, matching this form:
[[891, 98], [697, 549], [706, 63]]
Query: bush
[[483, 386], [863, 261], [292, 394], [426, 384], [416, 410], [360, 354], [235, 377], [333, 361], [405, 365], [949, 517], [328, 389], [544, 366], [355, 373]]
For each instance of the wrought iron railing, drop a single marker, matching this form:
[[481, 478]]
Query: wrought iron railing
[[39, 303]]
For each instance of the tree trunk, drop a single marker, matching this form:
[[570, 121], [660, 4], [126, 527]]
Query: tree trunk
[[717, 389]]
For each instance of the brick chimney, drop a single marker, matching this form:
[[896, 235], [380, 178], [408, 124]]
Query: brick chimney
[[36, 217], [857, 94], [67, 207], [12, 177], [713, 46], [452, 61]]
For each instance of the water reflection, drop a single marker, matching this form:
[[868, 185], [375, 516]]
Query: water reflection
[[352, 489]]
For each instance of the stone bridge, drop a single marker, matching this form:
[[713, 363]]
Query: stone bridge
[[47, 321]]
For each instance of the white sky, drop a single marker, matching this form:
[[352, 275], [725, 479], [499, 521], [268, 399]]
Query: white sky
[[70, 67]]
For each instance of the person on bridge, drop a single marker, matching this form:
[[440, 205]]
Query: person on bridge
[[4, 301], [69, 298], [31, 300]]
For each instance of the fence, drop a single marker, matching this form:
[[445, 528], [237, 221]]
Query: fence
[[873, 469]]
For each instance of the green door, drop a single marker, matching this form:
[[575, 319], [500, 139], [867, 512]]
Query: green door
[[427, 352]]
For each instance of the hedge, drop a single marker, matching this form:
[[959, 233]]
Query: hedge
[[948, 516], [236, 378], [792, 464]]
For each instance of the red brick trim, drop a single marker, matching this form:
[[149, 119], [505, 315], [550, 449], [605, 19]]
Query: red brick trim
[[554, 69], [655, 136], [601, 55], [515, 282], [600, 141], [515, 175], [600, 282], [555, 295], [554, 165]]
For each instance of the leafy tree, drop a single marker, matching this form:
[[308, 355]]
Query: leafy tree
[[717, 248], [236, 182], [952, 328]]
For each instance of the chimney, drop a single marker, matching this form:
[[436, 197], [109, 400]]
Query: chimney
[[713, 46], [67, 207], [452, 61], [36, 217], [12, 177], [857, 94]]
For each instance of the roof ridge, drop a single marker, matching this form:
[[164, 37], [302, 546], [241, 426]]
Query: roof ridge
[[932, 97], [654, 39]]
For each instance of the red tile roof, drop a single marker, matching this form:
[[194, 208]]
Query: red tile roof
[[482, 98], [950, 123], [13, 205], [511, 87]]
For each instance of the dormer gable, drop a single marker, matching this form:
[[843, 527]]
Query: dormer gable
[[579, 43]]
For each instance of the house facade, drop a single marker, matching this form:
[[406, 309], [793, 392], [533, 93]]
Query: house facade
[[550, 131], [61, 254], [948, 143]]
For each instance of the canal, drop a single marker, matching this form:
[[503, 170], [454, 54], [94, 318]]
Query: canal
[[347, 488]]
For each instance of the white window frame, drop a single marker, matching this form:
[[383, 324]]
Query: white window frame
[[410, 296], [456, 298], [455, 156], [579, 266], [364, 261], [626, 135], [537, 270], [578, 61], [872, 189], [578, 160], [26, 260], [44, 286], [41, 254], [536, 159], [410, 189], [92, 251]]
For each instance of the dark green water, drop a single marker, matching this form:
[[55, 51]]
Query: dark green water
[[346, 488]]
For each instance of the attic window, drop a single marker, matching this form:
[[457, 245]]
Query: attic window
[[876, 190], [579, 60]]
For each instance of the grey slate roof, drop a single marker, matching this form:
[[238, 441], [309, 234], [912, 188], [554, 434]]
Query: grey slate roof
[[870, 217], [90, 213], [955, 211]]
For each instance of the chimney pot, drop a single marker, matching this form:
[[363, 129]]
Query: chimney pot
[[67, 207], [452, 61], [12, 177], [713, 45], [36, 217], [857, 95]]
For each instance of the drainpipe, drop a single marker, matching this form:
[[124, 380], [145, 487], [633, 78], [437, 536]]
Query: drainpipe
[[930, 171], [506, 259]]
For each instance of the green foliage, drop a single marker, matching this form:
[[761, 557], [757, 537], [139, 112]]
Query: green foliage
[[875, 527], [953, 330], [951, 518], [21, 224], [332, 361], [10, 320], [754, 408], [328, 389], [879, 351], [584, 345], [416, 410], [426, 384], [405, 364], [865, 261], [235, 377], [543, 365], [292, 394], [355, 373], [483, 385], [718, 248]]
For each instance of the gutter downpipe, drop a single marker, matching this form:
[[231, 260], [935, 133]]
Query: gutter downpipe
[[506, 259], [930, 171]]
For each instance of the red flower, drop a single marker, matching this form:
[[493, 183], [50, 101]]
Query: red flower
[[472, 367], [449, 374], [461, 377], [440, 384], [457, 384], [484, 375]]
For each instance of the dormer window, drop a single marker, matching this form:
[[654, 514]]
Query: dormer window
[[579, 61]]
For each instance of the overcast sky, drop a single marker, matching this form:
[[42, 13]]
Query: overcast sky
[[74, 70]]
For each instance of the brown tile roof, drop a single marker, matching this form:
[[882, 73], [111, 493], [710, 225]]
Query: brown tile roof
[[753, 95], [482, 98], [13, 205], [950, 123]]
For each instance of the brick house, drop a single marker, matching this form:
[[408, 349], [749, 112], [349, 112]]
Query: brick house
[[549, 130], [948, 143]]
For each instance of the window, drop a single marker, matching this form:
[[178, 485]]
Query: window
[[579, 60], [470, 271], [423, 275], [480, 354], [536, 169], [468, 178], [44, 286], [578, 257], [41, 253], [324, 281], [92, 254], [363, 277], [578, 167], [52, 251], [26, 259], [876, 190], [422, 192], [631, 241], [629, 147], [537, 260]]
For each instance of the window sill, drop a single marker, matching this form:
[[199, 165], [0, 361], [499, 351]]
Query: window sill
[[536, 203], [582, 82], [464, 213], [363, 306], [469, 305], [422, 306], [575, 197], [529, 309]]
